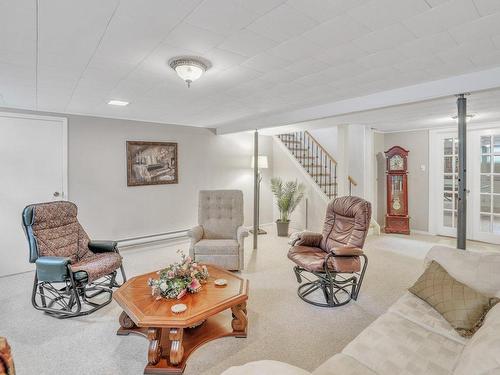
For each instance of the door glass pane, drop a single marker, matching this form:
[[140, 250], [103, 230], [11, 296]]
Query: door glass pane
[[455, 187], [455, 144], [456, 164], [496, 168], [496, 224], [447, 218], [448, 146], [448, 167], [448, 201], [485, 183], [496, 144], [485, 203], [486, 144], [496, 204], [448, 183], [485, 223], [496, 184], [485, 164]]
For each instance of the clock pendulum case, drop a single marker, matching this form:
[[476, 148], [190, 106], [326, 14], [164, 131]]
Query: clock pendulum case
[[396, 218]]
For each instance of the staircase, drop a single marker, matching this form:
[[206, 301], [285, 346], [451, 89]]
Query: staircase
[[318, 163]]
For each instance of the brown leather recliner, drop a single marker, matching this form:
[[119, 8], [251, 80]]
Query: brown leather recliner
[[335, 257]]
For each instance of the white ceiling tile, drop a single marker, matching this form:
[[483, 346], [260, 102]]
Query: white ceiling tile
[[322, 10], [435, 3], [264, 62], [487, 59], [428, 44], [442, 17], [306, 66], [419, 63], [222, 59], [496, 40], [341, 54], [279, 76], [259, 7], [337, 31], [193, 38], [247, 43], [480, 28], [295, 49], [382, 58], [486, 7], [467, 50], [221, 16], [282, 23], [389, 37], [17, 26], [381, 13]]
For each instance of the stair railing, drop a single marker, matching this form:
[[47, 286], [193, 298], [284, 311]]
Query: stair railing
[[352, 182], [313, 157]]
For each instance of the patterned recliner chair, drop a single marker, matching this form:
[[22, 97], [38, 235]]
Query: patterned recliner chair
[[218, 238], [70, 269], [335, 257]]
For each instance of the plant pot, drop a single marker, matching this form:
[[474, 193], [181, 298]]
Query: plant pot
[[282, 227]]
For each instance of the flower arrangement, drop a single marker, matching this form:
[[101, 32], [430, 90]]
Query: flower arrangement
[[179, 278]]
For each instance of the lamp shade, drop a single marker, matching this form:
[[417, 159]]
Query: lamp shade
[[262, 162]]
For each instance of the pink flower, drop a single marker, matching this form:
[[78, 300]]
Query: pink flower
[[170, 274], [188, 260], [195, 285], [182, 294]]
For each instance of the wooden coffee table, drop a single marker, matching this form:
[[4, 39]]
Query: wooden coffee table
[[222, 309]]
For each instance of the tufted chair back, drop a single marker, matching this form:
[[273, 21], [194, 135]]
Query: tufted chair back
[[220, 213], [347, 222], [53, 230]]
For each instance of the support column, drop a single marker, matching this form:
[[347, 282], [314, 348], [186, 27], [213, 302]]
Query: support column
[[255, 188], [462, 169]]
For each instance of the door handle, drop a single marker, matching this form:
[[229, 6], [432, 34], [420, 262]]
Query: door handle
[[56, 194]]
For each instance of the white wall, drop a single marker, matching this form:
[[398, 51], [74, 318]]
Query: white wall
[[109, 209], [287, 168]]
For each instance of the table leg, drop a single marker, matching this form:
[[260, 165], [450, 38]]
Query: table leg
[[154, 352], [240, 319], [176, 336], [125, 321]]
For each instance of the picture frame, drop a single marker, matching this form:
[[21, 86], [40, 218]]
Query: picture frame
[[152, 163]]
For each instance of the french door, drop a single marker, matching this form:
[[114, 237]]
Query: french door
[[483, 183]]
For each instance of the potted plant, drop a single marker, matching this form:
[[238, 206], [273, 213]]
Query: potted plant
[[288, 196]]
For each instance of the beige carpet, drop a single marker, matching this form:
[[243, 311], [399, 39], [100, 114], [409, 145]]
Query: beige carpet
[[281, 326]]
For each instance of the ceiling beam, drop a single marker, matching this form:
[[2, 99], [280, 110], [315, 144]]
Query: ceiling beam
[[471, 82]]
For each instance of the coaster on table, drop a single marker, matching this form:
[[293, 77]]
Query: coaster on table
[[220, 282], [178, 308]]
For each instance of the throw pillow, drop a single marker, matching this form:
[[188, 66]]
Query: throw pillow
[[463, 307]]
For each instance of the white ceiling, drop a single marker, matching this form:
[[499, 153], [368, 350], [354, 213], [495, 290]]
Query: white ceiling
[[431, 114], [268, 56]]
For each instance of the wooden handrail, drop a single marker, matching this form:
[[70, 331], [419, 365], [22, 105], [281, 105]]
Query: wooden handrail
[[321, 147], [352, 181]]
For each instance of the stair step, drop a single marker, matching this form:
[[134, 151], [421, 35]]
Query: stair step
[[289, 141], [293, 149]]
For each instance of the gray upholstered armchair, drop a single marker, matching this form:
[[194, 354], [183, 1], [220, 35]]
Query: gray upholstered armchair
[[218, 238]]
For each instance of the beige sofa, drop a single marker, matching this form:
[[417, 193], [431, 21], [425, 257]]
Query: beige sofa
[[412, 337]]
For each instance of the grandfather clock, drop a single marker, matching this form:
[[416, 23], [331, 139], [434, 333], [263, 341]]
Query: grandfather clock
[[397, 219]]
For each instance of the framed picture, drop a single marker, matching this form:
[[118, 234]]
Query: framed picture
[[151, 163]]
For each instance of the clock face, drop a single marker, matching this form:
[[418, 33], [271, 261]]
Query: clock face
[[396, 163]]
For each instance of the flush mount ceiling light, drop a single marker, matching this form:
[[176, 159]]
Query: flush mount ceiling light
[[119, 103], [189, 68]]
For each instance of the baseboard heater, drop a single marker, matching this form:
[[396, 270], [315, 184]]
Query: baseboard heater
[[132, 241]]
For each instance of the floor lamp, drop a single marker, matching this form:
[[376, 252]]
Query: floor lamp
[[262, 165]]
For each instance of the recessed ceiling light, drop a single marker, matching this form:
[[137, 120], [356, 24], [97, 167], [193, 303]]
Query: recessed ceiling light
[[189, 68], [119, 103]]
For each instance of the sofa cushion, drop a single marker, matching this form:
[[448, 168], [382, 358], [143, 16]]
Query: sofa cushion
[[395, 345], [265, 367], [342, 364], [216, 247], [420, 312], [459, 304], [478, 270], [481, 354]]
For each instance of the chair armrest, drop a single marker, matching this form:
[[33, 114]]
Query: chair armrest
[[52, 268], [241, 232], [305, 238], [103, 246], [195, 233], [346, 251]]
